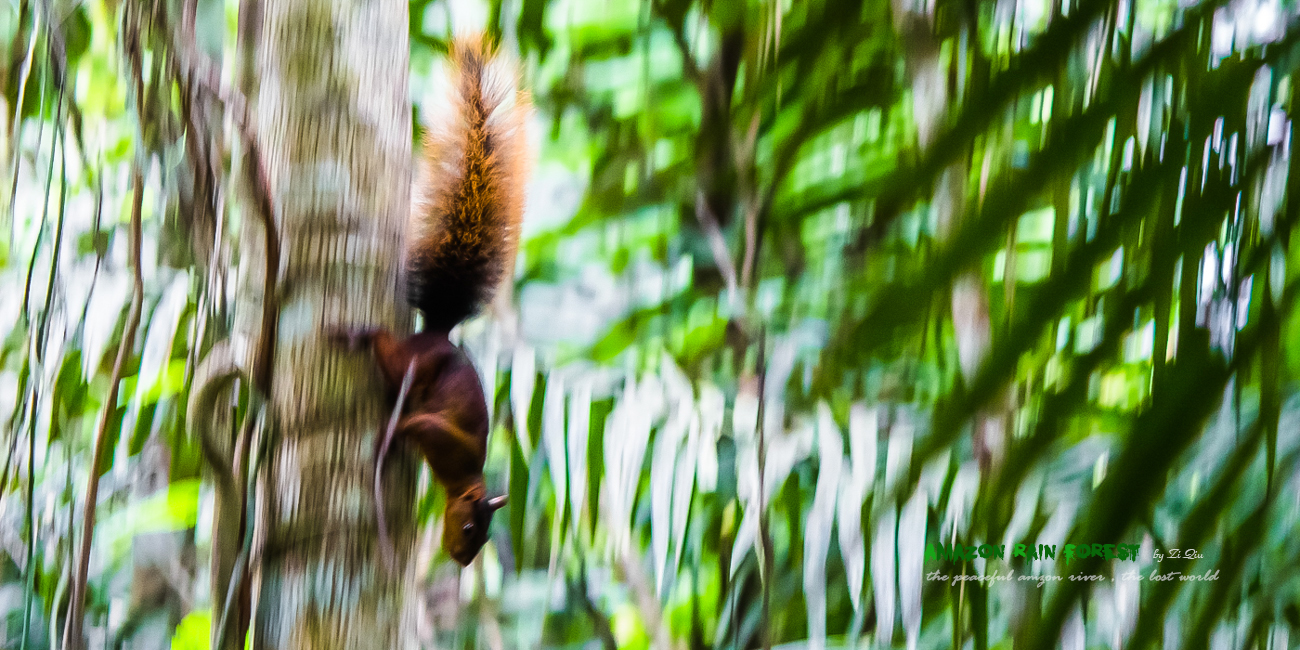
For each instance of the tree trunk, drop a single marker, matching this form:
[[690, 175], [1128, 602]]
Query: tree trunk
[[328, 91]]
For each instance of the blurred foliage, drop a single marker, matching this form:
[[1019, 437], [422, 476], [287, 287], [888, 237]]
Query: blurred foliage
[[805, 286]]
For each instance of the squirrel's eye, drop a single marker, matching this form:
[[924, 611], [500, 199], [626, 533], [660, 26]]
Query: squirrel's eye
[[469, 529]]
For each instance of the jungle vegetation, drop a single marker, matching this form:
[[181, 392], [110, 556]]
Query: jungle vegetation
[[805, 286]]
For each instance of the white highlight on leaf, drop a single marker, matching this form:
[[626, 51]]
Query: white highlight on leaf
[[1072, 634], [882, 575], [684, 487], [784, 451], [712, 409], [911, 544], [662, 467], [578, 441], [863, 430], [628, 431], [158, 338], [103, 313], [899, 452], [821, 519], [961, 497], [553, 444], [523, 379]]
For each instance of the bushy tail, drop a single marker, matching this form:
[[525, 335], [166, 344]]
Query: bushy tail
[[468, 200]]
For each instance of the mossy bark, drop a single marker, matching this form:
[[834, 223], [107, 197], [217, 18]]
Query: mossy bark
[[328, 91]]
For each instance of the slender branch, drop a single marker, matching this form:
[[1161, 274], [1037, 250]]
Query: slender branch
[[76, 611], [45, 210], [60, 590], [60, 143], [745, 161], [85, 309], [648, 605], [239, 574], [270, 298], [217, 372], [29, 593], [16, 128], [385, 543], [764, 528], [191, 65], [9, 459], [193, 71], [689, 68], [581, 592], [717, 244], [69, 572], [196, 68], [37, 347], [19, 413]]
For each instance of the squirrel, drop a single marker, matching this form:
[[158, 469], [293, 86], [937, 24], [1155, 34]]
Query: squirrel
[[467, 204]]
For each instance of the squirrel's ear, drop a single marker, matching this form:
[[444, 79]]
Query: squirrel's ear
[[496, 503]]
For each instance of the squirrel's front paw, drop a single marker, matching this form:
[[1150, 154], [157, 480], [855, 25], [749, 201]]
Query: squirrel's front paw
[[350, 338]]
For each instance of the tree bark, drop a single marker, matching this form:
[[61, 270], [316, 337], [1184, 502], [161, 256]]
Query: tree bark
[[331, 115]]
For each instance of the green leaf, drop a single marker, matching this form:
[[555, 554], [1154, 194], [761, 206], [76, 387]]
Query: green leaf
[[194, 631]]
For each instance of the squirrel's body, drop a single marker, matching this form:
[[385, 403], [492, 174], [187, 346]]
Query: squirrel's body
[[465, 215], [442, 370]]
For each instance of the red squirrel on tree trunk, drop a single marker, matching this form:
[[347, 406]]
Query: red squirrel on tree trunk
[[466, 207]]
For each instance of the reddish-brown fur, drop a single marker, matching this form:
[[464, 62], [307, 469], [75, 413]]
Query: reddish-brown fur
[[469, 194], [465, 215], [445, 415]]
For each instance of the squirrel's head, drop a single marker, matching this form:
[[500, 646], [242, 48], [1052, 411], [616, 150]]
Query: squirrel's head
[[466, 524]]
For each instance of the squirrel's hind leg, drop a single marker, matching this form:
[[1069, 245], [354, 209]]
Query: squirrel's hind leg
[[454, 454]]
